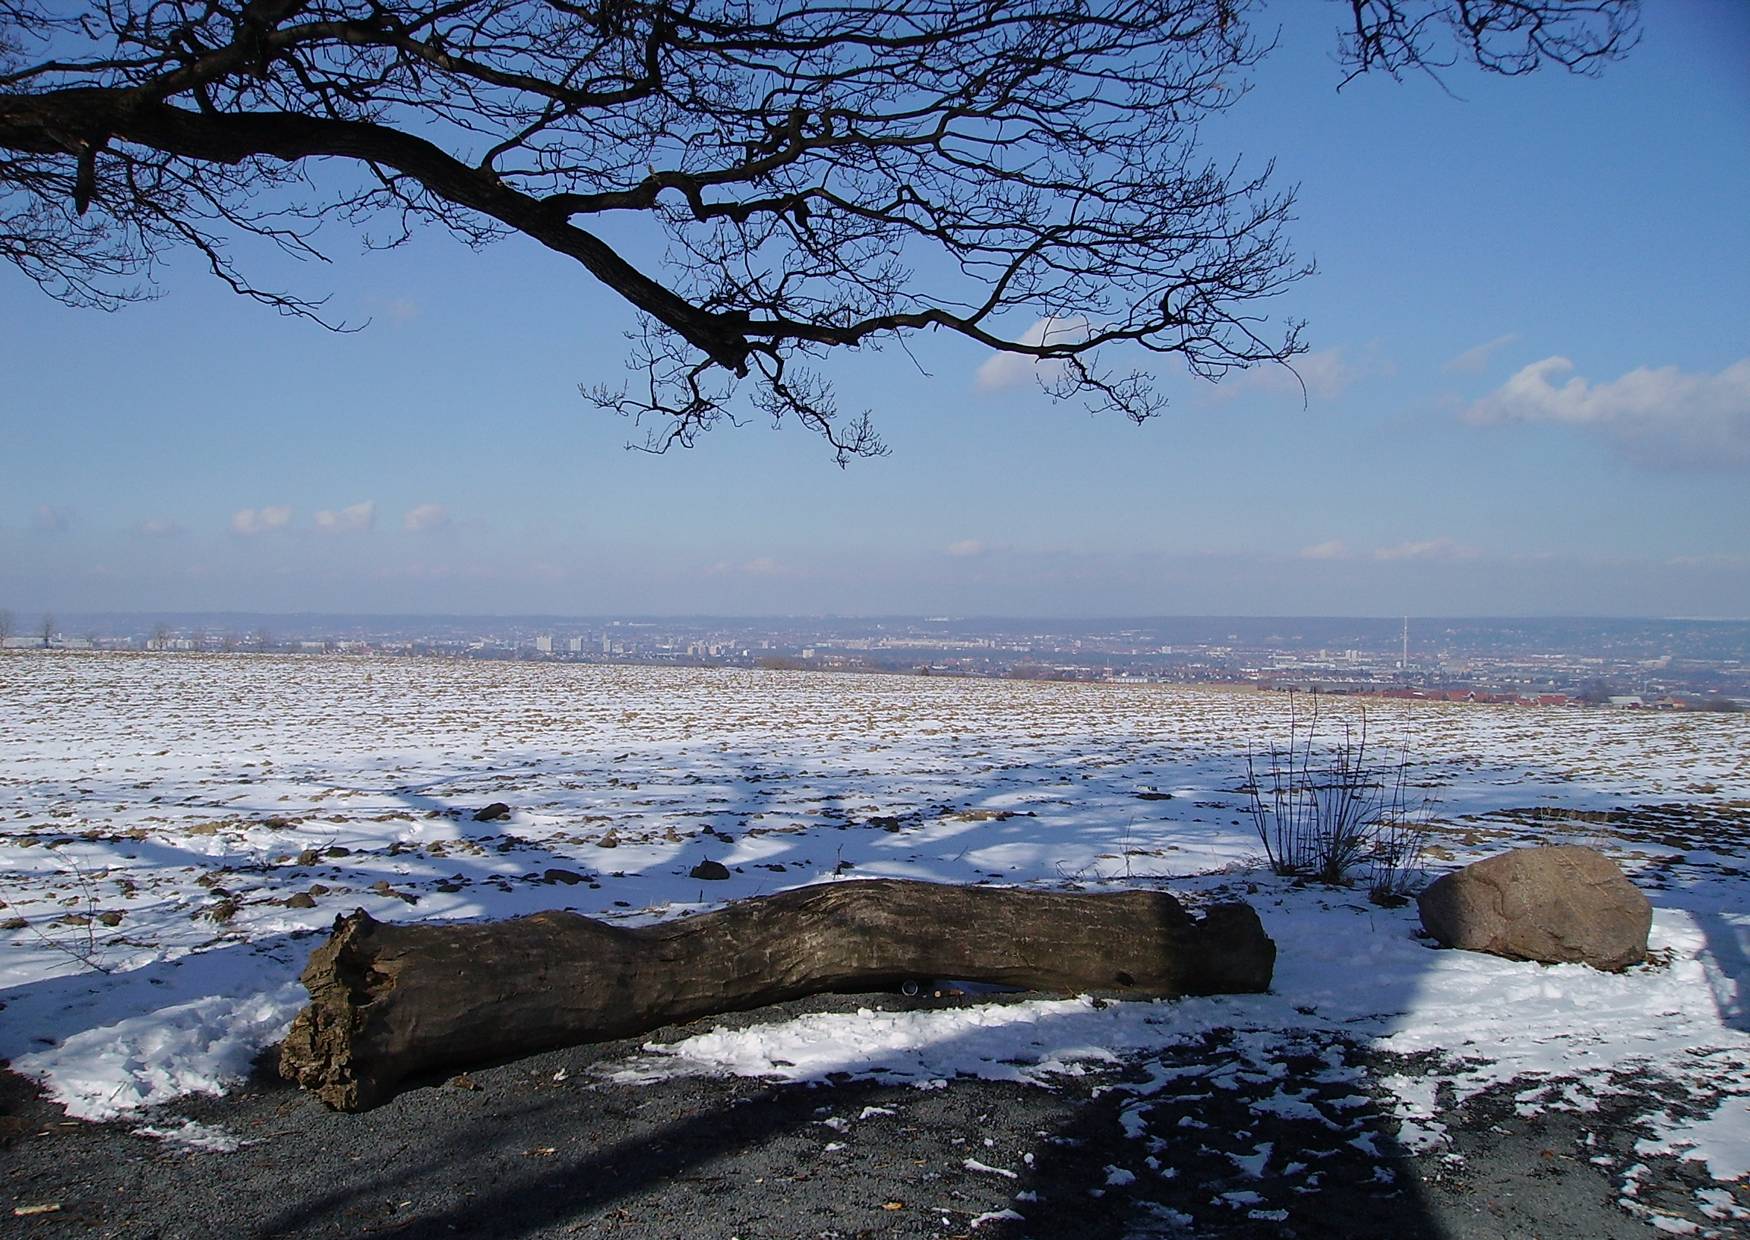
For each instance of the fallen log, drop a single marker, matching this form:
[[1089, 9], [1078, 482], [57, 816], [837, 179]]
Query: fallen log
[[392, 1001]]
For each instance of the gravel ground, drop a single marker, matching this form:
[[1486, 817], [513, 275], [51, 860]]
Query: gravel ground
[[539, 1147]]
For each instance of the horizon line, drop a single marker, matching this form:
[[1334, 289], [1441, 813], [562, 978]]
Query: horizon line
[[914, 616]]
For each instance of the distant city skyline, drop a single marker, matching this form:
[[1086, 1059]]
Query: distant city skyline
[[1528, 394], [1680, 664]]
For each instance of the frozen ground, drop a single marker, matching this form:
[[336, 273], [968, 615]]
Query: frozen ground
[[175, 830]]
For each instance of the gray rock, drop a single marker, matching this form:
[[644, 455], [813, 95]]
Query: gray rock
[[1559, 904], [493, 812], [710, 870]]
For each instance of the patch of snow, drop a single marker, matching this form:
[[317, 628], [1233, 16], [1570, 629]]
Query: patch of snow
[[1252, 1165], [1719, 1205], [995, 1216], [200, 1046], [1176, 1219], [190, 1135], [972, 1164]]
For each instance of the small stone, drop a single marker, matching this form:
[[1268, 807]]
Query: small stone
[[711, 870], [302, 899], [309, 857], [338, 850], [569, 877], [382, 888], [493, 812], [111, 917], [610, 840]]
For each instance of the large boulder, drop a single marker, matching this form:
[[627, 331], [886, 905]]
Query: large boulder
[[1556, 905]]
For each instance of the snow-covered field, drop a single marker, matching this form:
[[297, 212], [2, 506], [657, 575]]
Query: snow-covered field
[[175, 831]]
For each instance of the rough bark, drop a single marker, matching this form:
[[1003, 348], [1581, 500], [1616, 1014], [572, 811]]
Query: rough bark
[[392, 1001]]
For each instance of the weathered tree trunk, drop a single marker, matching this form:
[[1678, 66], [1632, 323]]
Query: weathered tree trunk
[[388, 1001]]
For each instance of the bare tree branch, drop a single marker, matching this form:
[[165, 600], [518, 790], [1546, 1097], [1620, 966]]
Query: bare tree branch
[[824, 175]]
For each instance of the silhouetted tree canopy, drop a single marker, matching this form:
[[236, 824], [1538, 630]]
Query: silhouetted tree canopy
[[824, 174]]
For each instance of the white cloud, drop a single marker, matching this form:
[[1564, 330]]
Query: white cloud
[[759, 566], [352, 518], [1008, 370], [966, 548], [1325, 373], [1333, 549], [1427, 549], [49, 519], [159, 527], [1474, 359], [1664, 416], [425, 518], [1715, 561], [251, 521]]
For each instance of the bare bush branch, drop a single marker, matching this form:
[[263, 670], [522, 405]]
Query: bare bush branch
[[1322, 809]]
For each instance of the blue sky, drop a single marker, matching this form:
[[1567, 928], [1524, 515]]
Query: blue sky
[[1528, 393]]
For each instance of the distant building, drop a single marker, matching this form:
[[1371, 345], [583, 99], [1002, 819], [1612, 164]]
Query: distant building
[[544, 643]]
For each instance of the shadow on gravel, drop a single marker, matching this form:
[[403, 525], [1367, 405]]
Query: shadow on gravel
[[1210, 1139], [1225, 1135], [645, 1178]]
